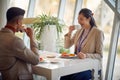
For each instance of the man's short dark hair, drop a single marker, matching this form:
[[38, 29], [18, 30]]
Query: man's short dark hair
[[14, 12]]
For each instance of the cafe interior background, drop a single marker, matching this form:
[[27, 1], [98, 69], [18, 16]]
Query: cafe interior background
[[67, 11]]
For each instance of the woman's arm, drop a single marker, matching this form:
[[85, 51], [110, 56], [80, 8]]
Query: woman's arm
[[68, 42]]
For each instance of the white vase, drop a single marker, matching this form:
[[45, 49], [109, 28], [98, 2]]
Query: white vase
[[48, 38]]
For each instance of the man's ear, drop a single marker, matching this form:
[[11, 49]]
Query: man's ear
[[18, 22]]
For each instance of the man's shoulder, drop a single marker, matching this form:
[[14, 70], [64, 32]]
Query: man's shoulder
[[16, 38], [18, 42]]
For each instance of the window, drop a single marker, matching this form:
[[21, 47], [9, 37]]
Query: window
[[46, 7], [69, 12], [112, 2], [118, 9], [21, 4], [116, 75]]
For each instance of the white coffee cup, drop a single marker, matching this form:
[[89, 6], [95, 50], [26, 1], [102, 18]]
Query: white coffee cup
[[77, 26]]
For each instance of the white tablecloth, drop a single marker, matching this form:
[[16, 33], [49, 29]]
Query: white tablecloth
[[62, 66]]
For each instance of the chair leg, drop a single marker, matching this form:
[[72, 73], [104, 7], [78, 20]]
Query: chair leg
[[100, 75], [0, 76], [93, 71]]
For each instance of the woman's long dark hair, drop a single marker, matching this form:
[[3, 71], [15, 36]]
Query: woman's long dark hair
[[88, 13]]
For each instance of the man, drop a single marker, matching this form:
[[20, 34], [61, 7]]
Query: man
[[15, 57]]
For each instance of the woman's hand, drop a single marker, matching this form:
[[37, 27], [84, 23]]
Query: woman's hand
[[71, 28], [81, 55]]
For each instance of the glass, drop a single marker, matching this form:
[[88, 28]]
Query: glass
[[112, 2], [116, 75], [46, 7], [69, 11], [118, 8]]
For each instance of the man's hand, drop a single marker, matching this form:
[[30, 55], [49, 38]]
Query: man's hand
[[29, 32], [81, 55]]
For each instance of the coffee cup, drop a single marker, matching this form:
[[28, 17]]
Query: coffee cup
[[77, 26]]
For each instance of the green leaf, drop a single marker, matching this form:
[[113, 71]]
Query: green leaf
[[43, 20]]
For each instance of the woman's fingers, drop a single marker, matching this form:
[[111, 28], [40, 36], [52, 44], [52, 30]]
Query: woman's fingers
[[71, 28], [81, 55]]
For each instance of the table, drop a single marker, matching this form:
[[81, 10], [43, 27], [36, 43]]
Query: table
[[53, 71]]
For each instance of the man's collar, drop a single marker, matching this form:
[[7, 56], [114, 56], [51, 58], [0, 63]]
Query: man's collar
[[11, 28]]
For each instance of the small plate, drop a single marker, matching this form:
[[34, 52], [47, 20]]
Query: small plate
[[51, 56], [68, 56], [54, 62]]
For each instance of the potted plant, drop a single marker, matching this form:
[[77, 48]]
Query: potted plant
[[47, 29]]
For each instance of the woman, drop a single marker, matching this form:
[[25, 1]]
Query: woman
[[88, 42]]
